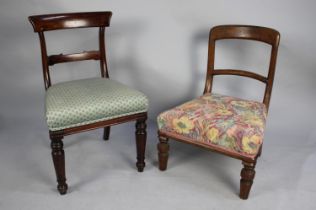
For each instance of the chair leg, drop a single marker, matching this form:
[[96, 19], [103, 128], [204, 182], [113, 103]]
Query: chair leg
[[163, 152], [106, 133], [141, 136], [59, 163], [247, 176]]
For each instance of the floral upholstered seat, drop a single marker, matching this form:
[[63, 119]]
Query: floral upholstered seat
[[86, 101], [220, 122]]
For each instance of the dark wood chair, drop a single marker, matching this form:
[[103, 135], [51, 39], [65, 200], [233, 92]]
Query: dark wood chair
[[224, 124], [83, 105]]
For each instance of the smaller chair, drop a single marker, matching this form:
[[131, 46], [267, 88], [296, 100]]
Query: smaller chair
[[224, 124], [87, 104]]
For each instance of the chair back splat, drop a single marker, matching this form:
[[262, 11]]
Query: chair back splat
[[256, 33], [43, 23]]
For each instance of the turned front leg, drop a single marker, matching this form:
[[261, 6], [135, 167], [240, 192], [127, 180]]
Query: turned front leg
[[58, 156], [247, 176], [141, 136], [163, 152]]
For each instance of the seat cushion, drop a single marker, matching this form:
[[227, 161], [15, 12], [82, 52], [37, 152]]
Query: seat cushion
[[218, 122], [81, 102]]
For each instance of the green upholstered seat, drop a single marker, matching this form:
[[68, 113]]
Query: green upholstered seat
[[81, 102]]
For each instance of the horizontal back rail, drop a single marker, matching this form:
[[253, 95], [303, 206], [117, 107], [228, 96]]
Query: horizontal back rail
[[70, 20], [87, 55], [240, 73]]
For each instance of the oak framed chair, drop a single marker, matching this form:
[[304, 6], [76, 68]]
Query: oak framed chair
[[224, 124], [82, 105]]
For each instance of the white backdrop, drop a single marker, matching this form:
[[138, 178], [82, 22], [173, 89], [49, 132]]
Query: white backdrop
[[160, 48]]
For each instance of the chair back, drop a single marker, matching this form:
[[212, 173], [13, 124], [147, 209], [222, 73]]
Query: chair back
[[49, 22], [256, 33]]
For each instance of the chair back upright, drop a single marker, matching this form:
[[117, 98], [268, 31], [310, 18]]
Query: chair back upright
[[43, 23], [247, 32]]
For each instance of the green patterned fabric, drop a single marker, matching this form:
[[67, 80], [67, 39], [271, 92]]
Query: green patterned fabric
[[81, 102]]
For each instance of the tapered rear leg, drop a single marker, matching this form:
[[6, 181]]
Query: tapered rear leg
[[106, 133], [141, 136]]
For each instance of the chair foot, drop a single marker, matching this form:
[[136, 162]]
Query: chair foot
[[58, 156], [106, 133], [141, 136], [163, 152], [247, 176], [62, 188], [140, 166]]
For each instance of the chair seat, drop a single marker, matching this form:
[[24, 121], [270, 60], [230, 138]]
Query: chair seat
[[82, 102], [222, 123]]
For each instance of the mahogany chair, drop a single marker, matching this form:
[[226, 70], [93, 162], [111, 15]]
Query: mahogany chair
[[224, 124], [87, 104]]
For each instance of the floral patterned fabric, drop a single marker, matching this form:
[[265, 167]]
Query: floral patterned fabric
[[220, 122]]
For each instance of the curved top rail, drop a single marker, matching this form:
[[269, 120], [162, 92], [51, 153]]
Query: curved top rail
[[258, 33], [70, 20]]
